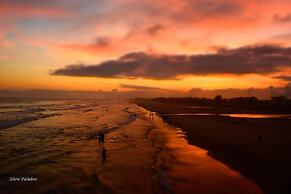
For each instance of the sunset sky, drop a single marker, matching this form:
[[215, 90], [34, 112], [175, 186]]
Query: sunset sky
[[171, 44]]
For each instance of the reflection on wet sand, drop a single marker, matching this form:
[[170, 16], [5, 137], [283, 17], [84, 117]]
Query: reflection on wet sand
[[192, 169], [103, 155], [274, 116]]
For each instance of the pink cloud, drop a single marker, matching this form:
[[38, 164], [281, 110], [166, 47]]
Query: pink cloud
[[14, 10]]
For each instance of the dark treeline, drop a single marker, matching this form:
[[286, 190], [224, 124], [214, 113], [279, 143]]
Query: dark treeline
[[275, 104]]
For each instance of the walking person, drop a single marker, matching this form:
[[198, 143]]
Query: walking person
[[101, 137]]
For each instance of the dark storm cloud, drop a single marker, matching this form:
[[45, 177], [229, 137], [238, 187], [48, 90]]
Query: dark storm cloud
[[244, 60]]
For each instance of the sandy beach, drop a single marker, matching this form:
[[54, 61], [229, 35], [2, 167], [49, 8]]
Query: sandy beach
[[259, 148]]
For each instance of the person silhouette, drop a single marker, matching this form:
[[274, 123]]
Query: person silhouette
[[151, 115], [101, 138], [102, 134]]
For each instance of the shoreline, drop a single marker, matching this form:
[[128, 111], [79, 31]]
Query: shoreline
[[181, 167], [235, 142]]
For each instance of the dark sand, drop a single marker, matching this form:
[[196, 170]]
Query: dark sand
[[235, 142]]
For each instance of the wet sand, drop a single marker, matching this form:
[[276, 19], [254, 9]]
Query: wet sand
[[234, 141], [191, 170], [140, 155]]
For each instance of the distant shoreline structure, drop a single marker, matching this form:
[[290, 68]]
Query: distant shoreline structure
[[135, 91]]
